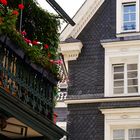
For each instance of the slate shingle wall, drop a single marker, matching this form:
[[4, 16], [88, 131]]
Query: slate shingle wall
[[86, 122], [87, 73]]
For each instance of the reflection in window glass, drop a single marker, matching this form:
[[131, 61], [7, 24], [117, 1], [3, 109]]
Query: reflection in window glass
[[134, 134], [125, 78], [129, 17], [119, 134]]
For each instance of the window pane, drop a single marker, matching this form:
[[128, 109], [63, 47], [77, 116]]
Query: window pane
[[132, 66], [130, 8], [126, 17], [118, 68], [119, 76], [118, 83], [133, 82], [118, 90], [132, 17], [133, 74], [129, 17], [129, 25], [134, 134], [118, 134], [133, 89]]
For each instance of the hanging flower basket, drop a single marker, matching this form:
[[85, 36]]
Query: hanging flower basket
[[43, 53]]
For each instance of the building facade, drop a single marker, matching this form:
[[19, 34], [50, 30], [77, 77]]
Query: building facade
[[103, 92]]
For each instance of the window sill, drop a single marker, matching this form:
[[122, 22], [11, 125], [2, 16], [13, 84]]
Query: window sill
[[124, 95], [125, 34]]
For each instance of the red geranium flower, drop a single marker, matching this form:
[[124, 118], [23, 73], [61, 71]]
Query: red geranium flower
[[23, 33], [21, 6], [46, 46], [4, 2], [35, 42], [27, 40], [15, 12], [59, 62]]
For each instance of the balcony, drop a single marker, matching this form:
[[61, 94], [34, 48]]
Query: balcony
[[24, 83], [29, 73]]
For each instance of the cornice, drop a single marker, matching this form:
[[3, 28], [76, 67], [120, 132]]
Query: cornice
[[121, 110], [71, 51], [128, 43], [111, 99], [81, 18]]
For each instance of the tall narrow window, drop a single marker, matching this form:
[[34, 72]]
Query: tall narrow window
[[118, 76], [129, 16], [125, 79], [132, 78]]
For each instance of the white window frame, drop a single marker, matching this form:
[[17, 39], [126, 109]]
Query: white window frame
[[119, 52], [125, 118], [130, 60], [119, 15]]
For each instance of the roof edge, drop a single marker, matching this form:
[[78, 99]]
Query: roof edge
[[82, 17]]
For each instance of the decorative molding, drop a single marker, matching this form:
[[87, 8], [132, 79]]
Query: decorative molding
[[61, 105], [117, 51], [120, 118], [121, 110], [128, 34], [120, 44], [117, 99], [82, 17], [71, 51]]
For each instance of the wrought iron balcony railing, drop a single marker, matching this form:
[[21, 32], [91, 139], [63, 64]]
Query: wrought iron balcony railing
[[24, 80]]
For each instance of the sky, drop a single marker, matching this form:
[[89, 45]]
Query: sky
[[69, 6]]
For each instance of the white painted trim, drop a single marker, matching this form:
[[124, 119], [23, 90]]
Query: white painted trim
[[128, 34], [84, 101], [62, 125], [81, 18], [117, 44], [61, 105], [119, 18], [120, 118], [119, 52], [71, 51], [120, 110]]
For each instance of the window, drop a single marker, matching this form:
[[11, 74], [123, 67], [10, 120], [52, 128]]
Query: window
[[126, 134], [125, 78], [122, 123], [129, 17]]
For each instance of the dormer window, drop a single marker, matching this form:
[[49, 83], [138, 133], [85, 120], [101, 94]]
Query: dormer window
[[127, 17]]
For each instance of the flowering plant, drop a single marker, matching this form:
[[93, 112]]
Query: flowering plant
[[43, 53]]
